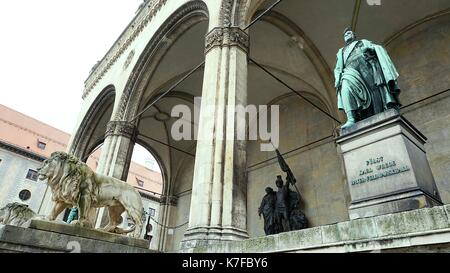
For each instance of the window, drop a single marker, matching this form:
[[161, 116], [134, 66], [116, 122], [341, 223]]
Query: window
[[32, 175], [24, 195], [41, 145], [139, 182], [130, 222], [151, 212]]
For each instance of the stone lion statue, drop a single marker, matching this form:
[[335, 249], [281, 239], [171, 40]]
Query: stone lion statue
[[16, 214], [73, 183]]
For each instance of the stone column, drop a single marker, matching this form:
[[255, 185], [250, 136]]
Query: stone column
[[117, 149], [116, 153], [166, 208], [218, 203]]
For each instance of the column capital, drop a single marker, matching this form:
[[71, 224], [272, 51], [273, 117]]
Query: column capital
[[121, 128], [168, 200], [227, 36]]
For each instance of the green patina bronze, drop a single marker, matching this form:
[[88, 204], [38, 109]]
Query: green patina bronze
[[366, 79]]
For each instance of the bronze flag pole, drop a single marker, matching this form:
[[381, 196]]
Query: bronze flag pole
[[285, 168]]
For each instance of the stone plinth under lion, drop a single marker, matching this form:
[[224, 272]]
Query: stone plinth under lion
[[22, 230], [73, 183]]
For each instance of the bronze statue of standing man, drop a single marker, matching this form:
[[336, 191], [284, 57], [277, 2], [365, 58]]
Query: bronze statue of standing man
[[282, 208], [267, 209], [366, 79]]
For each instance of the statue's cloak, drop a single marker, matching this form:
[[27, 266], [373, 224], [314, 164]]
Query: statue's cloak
[[390, 73], [362, 89]]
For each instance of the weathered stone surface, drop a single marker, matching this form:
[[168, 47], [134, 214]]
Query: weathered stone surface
[[330, 234], [300, 239], [447, 212], [357, 230], [18, 239], [89, 233], [408, 231]]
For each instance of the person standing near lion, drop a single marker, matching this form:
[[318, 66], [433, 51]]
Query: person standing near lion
[[74, 184]]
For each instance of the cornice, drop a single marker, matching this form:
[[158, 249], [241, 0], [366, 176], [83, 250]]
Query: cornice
[[142, 19], [18, 150]]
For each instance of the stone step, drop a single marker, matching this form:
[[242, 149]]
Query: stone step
[[45, 236], [420, 230]]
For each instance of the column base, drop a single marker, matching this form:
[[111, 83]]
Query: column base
[[205, 236]]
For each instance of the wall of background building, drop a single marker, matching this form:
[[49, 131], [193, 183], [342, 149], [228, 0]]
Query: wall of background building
[[13, 172]]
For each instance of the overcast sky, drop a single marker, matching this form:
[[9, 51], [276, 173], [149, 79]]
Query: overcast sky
[[47, 49]]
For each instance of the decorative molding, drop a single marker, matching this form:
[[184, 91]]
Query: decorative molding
[[225, 13], [120, 128], [128, 60], [168, 200], [133, 30], [151, 48], [239, 38], [227, 36], [241, 12], [214, 38]]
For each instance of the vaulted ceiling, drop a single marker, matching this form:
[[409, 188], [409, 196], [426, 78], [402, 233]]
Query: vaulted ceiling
[[297, 42]]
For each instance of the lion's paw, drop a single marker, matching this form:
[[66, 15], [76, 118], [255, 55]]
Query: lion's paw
[[81, 223]]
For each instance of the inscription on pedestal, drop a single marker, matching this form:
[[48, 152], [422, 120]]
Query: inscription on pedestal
[[377, 168]]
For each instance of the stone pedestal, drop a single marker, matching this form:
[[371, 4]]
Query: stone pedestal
[[386, 167], [44, 236]]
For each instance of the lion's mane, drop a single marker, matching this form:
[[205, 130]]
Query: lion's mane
[[65, 185]]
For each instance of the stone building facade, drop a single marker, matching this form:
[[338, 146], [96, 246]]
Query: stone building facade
[[174, 51]]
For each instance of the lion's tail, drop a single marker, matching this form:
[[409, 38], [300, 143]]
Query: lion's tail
[[119, 230]]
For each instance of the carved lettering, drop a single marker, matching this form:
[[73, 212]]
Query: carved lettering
[[381, 169]]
